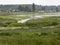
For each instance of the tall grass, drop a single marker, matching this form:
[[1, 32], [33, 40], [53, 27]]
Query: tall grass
[[23, 37]]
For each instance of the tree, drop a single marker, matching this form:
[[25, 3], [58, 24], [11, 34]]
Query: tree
[[56, 9], [27, 9], [20, 8], [33, 7]]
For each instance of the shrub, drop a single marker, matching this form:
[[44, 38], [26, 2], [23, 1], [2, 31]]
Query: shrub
[[5, 34]]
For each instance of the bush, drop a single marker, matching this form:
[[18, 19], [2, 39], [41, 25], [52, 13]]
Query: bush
[[5, 34]]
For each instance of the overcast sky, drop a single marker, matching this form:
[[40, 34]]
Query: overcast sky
[[39, 2]]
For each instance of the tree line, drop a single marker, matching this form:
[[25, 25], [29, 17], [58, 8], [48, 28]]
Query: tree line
[[39, 8], [26, 8], [29, 8]]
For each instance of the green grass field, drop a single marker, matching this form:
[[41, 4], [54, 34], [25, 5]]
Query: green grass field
[[30, 37], [44, 31]]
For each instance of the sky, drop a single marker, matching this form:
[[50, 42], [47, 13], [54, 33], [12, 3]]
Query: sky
[[38, 2]]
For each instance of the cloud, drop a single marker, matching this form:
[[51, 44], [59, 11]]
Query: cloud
[[40, 2]]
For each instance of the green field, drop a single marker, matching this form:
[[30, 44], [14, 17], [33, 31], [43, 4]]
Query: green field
[[41, 31], [30, 37]]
